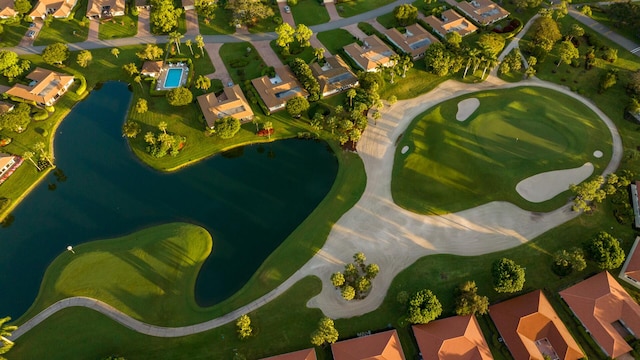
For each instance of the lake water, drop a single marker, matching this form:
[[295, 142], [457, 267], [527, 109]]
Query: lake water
[[250, 202]]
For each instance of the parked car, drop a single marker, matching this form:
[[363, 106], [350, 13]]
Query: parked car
[[32, 24], [287, 9], [31, 34]]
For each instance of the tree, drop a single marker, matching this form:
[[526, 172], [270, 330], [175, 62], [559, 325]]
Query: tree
[[610, 55], [337, 279], [40, 146], [531, 71], [575, 31], [405, 14], [508, 277], [164, 15], [285, 36], [326, 333], [605, 251], [438, 59], [395, 58], [203, 83], [318, 53], [268, 126], [472, 58], [138, 80], [22, 6], [115, 52], [18, 119], [489, 63], [130, 68], [7, 59], [491, 43], [247, 12], [351, 93], [608, 80], [454, 39], [200, 43], [564, 262], [297, 105], [304, 74], [5, 332], [84, 58], [348, 293], [55, 54], [179, 96], [372, 271], [150, 52], [303, 34], [586, 10], [189, 45], [567, 52], [468, 302], [141, 106], [175, 37], [131, 129], [545, 33], [227, 127], [162, 126], [424, 307], [243, 323], [405, 63], [587, 194], [206, 8], [29, 156]]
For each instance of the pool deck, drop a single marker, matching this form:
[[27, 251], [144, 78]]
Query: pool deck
[[164, 72]]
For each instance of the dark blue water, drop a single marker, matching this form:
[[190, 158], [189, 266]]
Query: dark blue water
[[250, 202]]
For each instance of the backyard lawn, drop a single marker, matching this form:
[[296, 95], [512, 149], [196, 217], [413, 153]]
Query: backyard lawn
[[71, 30], [335, 40], [220, 24], [351, 8], [309, 12], [118, 27], [514, 134], [12, 34]]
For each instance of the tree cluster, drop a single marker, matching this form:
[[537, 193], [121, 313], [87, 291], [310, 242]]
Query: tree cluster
[[18, 119], [545, 35], [605, 251], [150, 52], [424, 307], [590, 193], [287, 35], [164, 15], [164, 143], [11, 66], [508, 277], [468, 302], [55, 54], [243, 323], [625, 15], [405, 14], [511, 62], [84, 58], [355, 282], [248, 12], [131, 129], [297, 105], [306, 78], [565, 262], [179, 96], [227, 127], [5, 332], [206, 8], [326, 333]]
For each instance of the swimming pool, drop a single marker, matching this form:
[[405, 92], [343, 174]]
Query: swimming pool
[[173, 78]]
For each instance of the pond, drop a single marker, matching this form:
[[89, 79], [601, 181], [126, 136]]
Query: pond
[[250, 200]]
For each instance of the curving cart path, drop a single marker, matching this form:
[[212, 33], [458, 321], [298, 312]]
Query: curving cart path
[[390, 236]]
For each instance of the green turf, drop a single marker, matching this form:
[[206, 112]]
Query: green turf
[[220, 24], [309, 12], [295, 51], [119, 27], [335, 40], [268, 24], [71, 30], [417, 81], [12, 34], [355, 7], [514, 134], [149, 275]]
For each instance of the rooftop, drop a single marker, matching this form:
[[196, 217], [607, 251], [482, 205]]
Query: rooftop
[[383, 346], [372, 52], [450, 21], [453, 338]]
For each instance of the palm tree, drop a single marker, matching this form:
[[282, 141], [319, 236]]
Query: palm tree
[[351, 93], [175, 36], [489, 62], [5, 331], [188, 43], [163, 127], [115, 52], [29, 156], [381, 69], [149, 138], [256, 123], [395, 59], [268, 126], [318, 53], [406, 63], [200, 43], [472, 56], [39, 146], [138, 79]]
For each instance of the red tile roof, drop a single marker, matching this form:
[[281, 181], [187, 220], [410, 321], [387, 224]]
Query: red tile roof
[[453, 338], [526, 321], [599, 302], [307, 354], [380, 346]]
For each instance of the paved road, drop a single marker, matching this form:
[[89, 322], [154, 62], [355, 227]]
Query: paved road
[[630, 45]]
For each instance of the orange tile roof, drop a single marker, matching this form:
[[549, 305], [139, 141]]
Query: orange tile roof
[[7, 9], [95, 7], [46, 87], [380, 346], [599, 302], [414, 35], [526, 321], [372, 52], [453, 338], [6, 159], [484, 12], [450, 21], [55, 8], [230, 103], [276, 91], [307, 354], [334, 76]]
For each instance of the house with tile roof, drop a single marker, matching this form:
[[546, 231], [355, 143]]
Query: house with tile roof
[[307, 354], [104, 9], [450, 21], [230, 103], [8, 164], [630, 271], [7, 9], [45, 88], [275, 91], [606, 310], [372, 53], [151, 68], [483, 12], [415, 41], [384, 345], [531, 329], [59, 9], [334, 76], [457, 337]]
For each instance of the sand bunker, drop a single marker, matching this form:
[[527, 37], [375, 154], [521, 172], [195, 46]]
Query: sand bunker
[[598, 154], [545, 186], [466, 107], [404, 149]]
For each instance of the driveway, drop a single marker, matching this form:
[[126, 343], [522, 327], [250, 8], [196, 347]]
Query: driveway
[[286, 17], [333, 12], [266, 52], [94, 30], [193, 27], [317, 44], [27, 41], [144, 24], [221, 72], [355, 31]]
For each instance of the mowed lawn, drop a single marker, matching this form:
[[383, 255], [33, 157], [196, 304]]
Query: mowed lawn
[[149, 275], [309, 12], [514, 134]]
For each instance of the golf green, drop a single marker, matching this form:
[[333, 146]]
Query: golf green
[[452, 165]]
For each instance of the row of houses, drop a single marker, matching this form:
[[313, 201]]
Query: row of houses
[[61, 9], [528, 325]]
